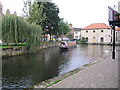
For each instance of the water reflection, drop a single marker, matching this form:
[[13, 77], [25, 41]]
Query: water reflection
[[26, 70]]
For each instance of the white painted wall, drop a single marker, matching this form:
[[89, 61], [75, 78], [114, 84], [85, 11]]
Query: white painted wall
[[77, 34], [96, 37]]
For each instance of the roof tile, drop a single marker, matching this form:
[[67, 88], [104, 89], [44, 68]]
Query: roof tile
[[97, 26]]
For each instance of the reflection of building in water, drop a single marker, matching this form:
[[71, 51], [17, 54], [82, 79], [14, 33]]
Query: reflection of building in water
[[98, 51]]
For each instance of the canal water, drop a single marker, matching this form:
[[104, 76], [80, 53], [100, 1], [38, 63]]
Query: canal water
[[27, 70]]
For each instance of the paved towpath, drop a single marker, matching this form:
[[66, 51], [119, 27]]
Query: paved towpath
[[103, 74]]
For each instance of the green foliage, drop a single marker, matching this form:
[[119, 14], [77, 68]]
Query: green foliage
[[36, 15], [13, 29], [83, 40], [52, 19], [70, 36], [0, 27], [26, 8], [16, 30], [63, 28]]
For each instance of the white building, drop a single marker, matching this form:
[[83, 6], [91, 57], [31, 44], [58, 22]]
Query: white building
[[98, 33], [117, 33], [77, 33]]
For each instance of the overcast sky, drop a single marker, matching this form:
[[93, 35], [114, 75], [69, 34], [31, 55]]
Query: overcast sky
[[80, 13]]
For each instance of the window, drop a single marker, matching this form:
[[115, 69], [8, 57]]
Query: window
[[76, 37], [76, 32], [102, 39], [111, 32], [101, 30], [116, 36], [94, 31], [111, 38], [94, 39], [80, 36], [86, 39], [86, 31]]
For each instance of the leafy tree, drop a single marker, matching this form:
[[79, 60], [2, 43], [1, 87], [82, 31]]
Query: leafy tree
[[0, 27], [63, 28], [83, 40], [16, 29], [52, 19], [26, 8], [70, 36], [36, 15]]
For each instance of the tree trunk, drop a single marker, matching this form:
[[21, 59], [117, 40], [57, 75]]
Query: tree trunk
[[44, 35]]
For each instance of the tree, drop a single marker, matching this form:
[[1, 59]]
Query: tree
[[52, 19], [70, 36], [36, 15], [0, 27], [26, 8], [63, 28], [15, 29]]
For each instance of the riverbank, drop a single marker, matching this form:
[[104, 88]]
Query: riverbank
[[14, 51], [102, 73], [27, 70], [52, 81]]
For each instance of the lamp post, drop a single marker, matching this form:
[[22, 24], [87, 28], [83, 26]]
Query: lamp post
[[113, 52]]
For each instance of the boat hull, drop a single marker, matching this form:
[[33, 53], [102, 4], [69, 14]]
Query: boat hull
[[67, 44]]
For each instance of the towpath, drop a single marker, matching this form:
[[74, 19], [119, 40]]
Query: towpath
[[103, 74]]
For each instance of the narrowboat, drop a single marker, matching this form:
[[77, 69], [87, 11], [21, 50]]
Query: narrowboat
[[67, 44]]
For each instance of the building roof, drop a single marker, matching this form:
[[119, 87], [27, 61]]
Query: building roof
[[97, 26], [117, 29], [77, 29]]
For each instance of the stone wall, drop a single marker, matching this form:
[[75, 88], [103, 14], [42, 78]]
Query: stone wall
[[13, 51]]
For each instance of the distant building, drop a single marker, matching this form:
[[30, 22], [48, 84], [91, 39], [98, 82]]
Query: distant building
[[98, 33], [15, 13], [1, 8], [77, 33], [71, 29], [117, 32], [8, 12]]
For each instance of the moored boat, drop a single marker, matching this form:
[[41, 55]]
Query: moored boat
[[67, 44]]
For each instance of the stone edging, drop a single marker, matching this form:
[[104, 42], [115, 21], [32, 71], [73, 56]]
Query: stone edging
[[14, 51]]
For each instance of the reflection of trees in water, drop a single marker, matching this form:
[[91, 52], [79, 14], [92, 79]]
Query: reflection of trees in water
[[34, 67], [31, 69]]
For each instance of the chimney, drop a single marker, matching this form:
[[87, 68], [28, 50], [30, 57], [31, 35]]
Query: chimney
[[70, 25], [15, 13], [8, 12]]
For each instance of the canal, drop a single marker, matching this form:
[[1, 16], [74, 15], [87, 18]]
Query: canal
[[30, 69]]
